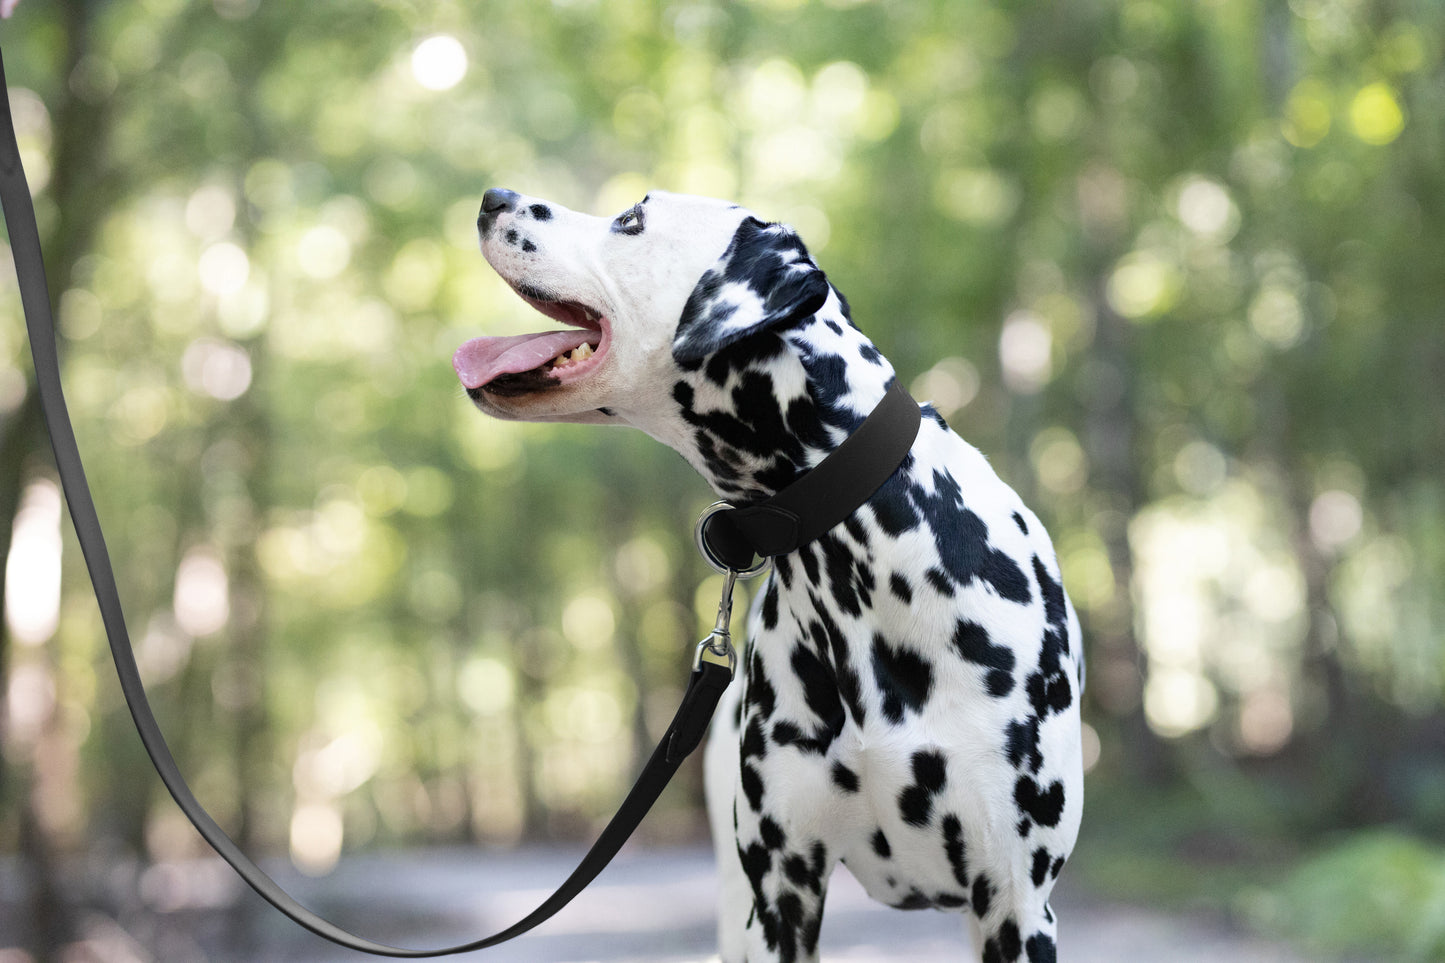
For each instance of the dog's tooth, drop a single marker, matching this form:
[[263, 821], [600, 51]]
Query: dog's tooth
[[580, 353]]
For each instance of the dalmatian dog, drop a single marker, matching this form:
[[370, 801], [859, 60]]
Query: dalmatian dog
[[910, 696]]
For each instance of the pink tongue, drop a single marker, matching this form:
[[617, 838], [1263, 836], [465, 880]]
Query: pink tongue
[[482, 359]]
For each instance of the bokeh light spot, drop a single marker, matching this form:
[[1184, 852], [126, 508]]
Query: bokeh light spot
[[1375, 115], [439, 63]]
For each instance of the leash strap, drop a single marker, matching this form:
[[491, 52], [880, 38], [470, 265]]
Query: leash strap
[[817, 501], [704, 688], [821, 498]]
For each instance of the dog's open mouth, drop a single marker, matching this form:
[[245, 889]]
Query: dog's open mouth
[[524, 363]]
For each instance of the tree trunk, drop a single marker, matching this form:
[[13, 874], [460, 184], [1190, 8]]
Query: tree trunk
[[1111, 432]]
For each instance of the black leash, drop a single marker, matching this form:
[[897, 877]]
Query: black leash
[[866, 465]]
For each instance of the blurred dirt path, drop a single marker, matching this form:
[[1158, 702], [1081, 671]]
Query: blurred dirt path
[[656, 906]]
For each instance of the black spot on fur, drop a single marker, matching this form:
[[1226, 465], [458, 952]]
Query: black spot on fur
[[810, 564], [1043, 806], [754, 745], [892, 508], [752, 787], [770, 605], [1041, 949], [961, 538], [789, 734], [915, 900], [756, 860], [829, 384], [864, 583], [797, 870], [844, 778], [940, 581], [718, 368], [982, 895], [1019, 521], [784, 568], [954, 849], [511, 236], [1048, 687], [760, 691], [820, 691], [1022, 744], [1040, 872], [880, 845], [838, 561], [1053, 595], [529, 247], [972, 642], [829, 640], [541, 212], [804, 423], [808, 872], [1005, 945], [798, 925], [915, 802], [772, 834], [904, 679], [900, 588]]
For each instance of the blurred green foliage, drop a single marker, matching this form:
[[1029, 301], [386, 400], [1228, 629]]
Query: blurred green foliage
[[1172, 266], [1380, 893]]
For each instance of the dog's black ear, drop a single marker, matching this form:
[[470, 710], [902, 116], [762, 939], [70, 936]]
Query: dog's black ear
[[765, 279]]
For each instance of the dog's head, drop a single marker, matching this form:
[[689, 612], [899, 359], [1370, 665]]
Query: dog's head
[[668, 307]]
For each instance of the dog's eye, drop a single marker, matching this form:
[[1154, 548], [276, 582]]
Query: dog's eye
[[629, 221]]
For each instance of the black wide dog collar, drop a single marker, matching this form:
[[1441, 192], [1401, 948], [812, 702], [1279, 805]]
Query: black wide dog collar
[[822, 497]]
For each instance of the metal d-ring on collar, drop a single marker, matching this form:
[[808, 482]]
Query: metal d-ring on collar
[[700, 537]]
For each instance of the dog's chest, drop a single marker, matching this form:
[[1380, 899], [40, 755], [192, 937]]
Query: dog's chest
[[889, 664]]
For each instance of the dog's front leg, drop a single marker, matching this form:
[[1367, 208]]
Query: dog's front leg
[[720, 780], [771, 884], [787, 874]]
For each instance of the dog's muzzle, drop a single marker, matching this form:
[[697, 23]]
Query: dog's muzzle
[[495, 201]]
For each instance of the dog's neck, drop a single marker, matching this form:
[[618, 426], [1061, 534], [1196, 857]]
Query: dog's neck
[[757, 414]]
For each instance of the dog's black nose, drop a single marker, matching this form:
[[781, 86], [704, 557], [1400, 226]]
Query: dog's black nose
[[495, 201]]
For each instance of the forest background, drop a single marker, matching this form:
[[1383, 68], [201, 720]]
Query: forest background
[[1170, 265]]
